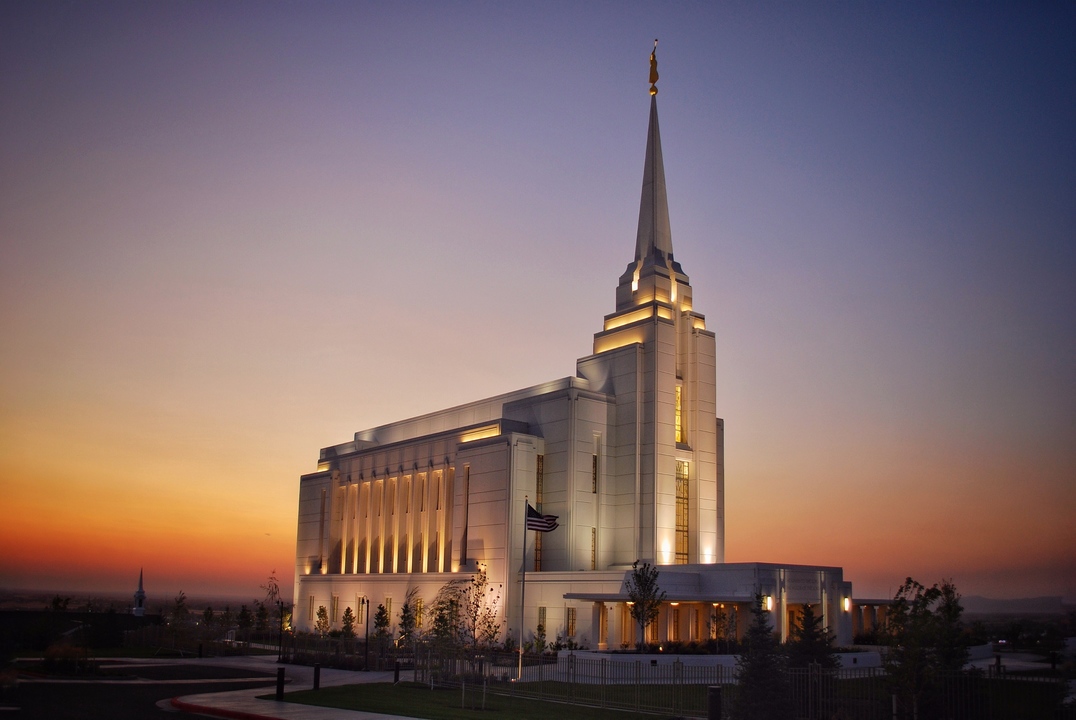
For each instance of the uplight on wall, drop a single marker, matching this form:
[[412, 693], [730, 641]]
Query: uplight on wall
[[847, 604], [768, 602]]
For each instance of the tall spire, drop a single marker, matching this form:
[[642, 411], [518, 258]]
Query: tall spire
[[653, 274], [654, 240]]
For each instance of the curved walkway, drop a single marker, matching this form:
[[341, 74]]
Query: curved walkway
[[246, 705]]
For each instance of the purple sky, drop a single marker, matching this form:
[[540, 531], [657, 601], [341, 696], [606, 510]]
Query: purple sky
[[232, 233]]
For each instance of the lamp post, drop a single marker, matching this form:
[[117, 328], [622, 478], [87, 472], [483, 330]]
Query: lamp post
[[280, 632], [366, 628]]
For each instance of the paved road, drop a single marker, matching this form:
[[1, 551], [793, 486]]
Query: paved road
[[138, 688]]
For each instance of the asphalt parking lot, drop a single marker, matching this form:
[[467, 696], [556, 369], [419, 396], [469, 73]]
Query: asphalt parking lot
[[124, 692]]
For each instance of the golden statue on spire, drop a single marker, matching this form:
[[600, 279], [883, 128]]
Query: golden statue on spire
[[654, 69]]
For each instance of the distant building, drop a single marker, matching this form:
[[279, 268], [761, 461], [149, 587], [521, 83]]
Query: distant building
[[139, 608], [628, 453]]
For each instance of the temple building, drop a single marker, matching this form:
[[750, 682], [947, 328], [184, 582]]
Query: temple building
[[628, 453]]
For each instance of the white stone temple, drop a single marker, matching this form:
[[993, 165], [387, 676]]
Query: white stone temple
[[628, 453]]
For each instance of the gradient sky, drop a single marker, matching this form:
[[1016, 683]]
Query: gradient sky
[[232, 233]]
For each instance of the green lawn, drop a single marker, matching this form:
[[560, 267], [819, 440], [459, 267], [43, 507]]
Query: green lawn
[[418, 701]]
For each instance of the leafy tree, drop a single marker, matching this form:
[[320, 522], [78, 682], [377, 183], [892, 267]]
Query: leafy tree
[[539, 639], [382, 633], [925, 636], [180, 612], [408, 619], [321, 625], [762, 693], [722, 627], [446, 617], [952, 646], [479, 601], [59, 604], [645, 596], [347, 624], [207, 616], [272, 601], [810, 642], [261, 616], [226, 619], [245, 619]]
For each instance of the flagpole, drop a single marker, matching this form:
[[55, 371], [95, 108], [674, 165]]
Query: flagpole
[[523, 589]]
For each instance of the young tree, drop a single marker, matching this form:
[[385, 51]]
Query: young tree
[[645, 596], [539, 639], [408, 620], [226, 619], [245, 619], [347, 623], [952, 643], [382, 634], [207, 616], [925, 636], [272, 600], [479, 602], [321, 625], [810, 642], [180, 612], [261, 616], [762, 692]]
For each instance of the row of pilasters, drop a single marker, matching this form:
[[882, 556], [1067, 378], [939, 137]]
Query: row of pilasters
[[391, 525]]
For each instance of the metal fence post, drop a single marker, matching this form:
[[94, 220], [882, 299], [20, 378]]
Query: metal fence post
[[604, 679], [713, 702]]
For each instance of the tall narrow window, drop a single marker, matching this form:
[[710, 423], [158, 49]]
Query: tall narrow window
[[541, 615], [571, 622], [679, 414], [594, 548], [336, 608], [539, 481], [418, 612], [594, 473], [311, 616], [682, 515]]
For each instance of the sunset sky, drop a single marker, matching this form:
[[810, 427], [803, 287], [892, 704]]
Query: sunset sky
[[234, 232]]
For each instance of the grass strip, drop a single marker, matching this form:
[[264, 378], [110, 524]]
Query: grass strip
[[419, 701]]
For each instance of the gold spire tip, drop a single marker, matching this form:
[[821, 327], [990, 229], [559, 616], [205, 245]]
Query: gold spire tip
[[654, 69]]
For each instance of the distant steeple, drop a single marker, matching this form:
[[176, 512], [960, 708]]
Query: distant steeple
[[139, 608]]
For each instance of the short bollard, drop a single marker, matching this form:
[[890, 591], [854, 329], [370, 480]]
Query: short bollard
[[713, 702], [317, 676], [396, 673], [280, 683]]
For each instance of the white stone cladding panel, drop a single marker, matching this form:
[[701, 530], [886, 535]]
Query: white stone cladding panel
[[487, 501]]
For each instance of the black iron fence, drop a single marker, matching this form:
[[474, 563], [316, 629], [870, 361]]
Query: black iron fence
[[682, 690]]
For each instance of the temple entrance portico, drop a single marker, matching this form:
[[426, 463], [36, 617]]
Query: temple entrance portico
[[714, 602]]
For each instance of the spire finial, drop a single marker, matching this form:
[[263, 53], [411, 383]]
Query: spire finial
[[654, 69]]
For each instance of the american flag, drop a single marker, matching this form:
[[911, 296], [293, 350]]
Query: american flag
[[538, 521]]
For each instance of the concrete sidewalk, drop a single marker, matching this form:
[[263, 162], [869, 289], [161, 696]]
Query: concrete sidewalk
[[245, 704]]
